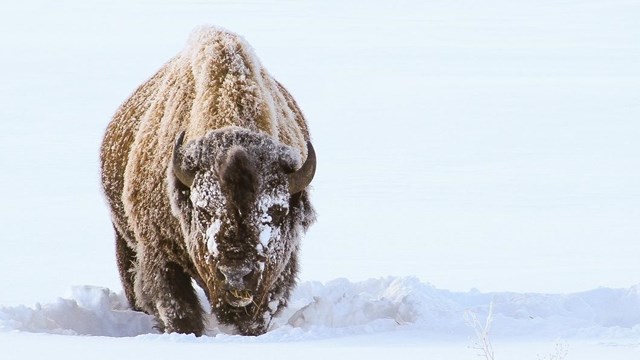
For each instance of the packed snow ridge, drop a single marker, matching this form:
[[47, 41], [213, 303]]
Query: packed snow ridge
[[343, 307]]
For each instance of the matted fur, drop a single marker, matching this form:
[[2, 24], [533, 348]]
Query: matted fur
[[243, 131]]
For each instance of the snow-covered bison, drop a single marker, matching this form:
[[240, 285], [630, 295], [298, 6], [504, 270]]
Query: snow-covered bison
[[205, 168]]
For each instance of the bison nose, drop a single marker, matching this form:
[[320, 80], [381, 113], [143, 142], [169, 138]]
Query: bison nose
[[234, 276]]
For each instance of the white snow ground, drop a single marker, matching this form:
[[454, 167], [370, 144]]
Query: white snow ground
[[375, 318], [341, 307], [488, 145]]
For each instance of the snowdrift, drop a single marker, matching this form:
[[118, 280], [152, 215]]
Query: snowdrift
[[342, 307]]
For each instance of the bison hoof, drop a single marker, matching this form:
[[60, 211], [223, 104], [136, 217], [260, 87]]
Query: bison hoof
[[238, 298]]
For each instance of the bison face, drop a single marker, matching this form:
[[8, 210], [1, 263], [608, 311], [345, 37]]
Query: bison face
[[244, 210]]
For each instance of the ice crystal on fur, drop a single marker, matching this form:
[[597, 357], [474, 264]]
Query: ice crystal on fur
[[217, 208], [212, 232]]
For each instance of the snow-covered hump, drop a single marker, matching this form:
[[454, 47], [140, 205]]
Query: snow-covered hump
[[228, 83]]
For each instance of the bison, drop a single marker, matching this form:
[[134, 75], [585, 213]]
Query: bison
[[205, 169]]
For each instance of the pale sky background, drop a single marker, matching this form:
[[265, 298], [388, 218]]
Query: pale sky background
[[489, 147]]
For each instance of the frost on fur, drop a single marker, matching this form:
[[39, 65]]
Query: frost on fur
[[199, 167]]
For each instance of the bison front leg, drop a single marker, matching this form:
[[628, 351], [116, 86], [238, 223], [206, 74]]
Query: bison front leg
[[165, 290], [127, 262]]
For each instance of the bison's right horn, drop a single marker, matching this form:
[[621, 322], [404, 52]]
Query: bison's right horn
[[185, 176], [300, 179]]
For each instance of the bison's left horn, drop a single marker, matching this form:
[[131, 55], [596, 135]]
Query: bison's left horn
[[185, 176], [300, 179]]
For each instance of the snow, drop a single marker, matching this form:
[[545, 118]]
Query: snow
[[265, 236], [384, 314], [212, 232], [340, 307], [276, 199], [489, 145]]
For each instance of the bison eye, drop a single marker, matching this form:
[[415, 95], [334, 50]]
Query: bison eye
[[277, 213]]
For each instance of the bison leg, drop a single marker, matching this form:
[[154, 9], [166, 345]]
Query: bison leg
[[165, 290], [127, 260]]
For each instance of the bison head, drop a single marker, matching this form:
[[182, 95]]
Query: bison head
[[243, 209]]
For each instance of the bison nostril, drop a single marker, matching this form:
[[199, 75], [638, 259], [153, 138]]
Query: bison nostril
[[235, 277]]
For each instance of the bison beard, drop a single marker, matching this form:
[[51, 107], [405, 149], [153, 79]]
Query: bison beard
[[203, 170]]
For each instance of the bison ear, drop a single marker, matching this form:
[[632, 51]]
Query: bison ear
[[184, 174], [301, 178]]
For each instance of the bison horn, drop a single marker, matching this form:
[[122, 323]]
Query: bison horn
[[300, 179], [185, 176]]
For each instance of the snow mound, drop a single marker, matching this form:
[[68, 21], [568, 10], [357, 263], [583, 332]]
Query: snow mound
[[90, 311], [377, 305]]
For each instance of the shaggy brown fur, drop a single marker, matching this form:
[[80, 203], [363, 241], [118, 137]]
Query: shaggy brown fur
[[244, 132], [238, 178]]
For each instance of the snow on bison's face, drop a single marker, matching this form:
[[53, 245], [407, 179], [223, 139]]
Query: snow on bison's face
[[245, 212]]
